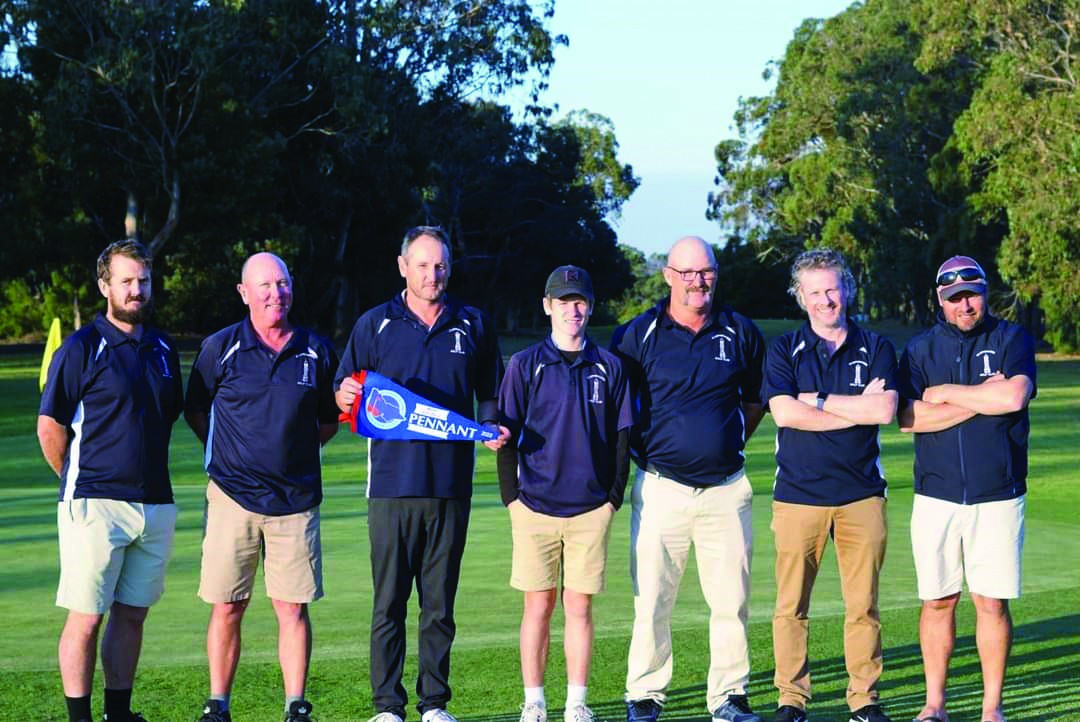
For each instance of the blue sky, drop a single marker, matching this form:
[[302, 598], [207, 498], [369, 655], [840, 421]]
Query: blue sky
[[670, 75]]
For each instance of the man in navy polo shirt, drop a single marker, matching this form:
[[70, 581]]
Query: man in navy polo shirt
[[567, 405], [419, 491], [829, 385], [261, 399], [695, 370], [106, 417], [966, 383]]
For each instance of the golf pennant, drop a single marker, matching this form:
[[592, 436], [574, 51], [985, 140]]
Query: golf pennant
[[387, 410]]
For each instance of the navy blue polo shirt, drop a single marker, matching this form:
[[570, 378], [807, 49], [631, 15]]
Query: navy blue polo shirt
[[689, 390], [828, 468], [454, 364], [985, 457], [566, 418], [265, 410], [119, 398]]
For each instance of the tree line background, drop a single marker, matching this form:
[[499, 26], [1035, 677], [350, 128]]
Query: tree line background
[[900, 131]]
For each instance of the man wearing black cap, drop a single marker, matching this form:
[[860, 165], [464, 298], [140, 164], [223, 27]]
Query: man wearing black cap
[[966, 383], [567, 405]]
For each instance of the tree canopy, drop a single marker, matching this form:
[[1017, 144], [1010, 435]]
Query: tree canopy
[[902, 133], [319, 130]]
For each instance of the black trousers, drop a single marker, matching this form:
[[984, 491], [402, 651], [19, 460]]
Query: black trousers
[[419, 540]]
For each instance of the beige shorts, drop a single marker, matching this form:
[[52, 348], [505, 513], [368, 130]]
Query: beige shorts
[[546, 545], [112, 551], [982, 543], [235, 538]]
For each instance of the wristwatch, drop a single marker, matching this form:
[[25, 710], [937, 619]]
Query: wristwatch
[[821, 396]]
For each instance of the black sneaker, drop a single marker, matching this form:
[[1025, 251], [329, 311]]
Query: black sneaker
[[787, 713], [736, 708], [643, 710], [214, 711], [869, 713], [131, 717], [299, 711]]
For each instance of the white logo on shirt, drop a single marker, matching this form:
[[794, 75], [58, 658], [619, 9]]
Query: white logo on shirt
[[458, 333], [595, 384], [722, 341], [858, 367], [305, 374], [986, 371]]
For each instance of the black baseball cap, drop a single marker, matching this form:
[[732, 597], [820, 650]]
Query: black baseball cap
[[569, 281]]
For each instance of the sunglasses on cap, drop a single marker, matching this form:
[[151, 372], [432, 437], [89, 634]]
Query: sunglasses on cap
[[964, 274]]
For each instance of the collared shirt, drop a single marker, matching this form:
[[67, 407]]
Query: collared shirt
[[565, 417], [689, 391], [985, 457], [454, 364], [119, 397], [828, 468], [265, 410]]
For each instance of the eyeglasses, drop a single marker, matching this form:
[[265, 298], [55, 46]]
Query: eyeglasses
[[709, 274], [964, 274]]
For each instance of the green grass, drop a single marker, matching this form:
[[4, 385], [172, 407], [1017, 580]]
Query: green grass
[[1043, 681]]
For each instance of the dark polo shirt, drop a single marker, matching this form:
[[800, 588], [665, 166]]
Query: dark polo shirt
[[984, 458], [689, 389], [454, 364], [120, 398], [828, 468], [566, 417], [265, 409]]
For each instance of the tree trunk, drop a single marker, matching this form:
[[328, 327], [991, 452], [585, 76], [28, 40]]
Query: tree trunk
[[131, 218], [174, 217]]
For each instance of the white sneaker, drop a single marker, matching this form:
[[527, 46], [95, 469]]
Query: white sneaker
[[440, 715], [579, 713], [386, 717], [533, 712]]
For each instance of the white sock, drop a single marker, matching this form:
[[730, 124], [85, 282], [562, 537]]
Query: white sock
[[535, 695], [575, 695], [426, 717]]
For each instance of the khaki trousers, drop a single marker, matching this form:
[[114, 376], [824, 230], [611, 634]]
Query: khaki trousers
[[859, 532], [667, 518]]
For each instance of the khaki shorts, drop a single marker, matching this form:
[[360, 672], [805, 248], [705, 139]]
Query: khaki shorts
[[112, 551], [546, 545], [982, 543], [235, 538]]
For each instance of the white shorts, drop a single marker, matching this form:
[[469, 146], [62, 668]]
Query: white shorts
[[112, 551], [980, 542]]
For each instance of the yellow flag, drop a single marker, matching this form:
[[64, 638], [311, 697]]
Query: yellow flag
[[50, 348]]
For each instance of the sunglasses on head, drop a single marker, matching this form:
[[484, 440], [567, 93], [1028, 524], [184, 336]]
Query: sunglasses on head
[[964, 274]]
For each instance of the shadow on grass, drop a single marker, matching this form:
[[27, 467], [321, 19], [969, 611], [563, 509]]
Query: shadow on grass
[[1041, 684]]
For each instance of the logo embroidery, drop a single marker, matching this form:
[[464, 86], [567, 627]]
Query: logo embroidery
[[722, 341], [458, 334], [858, 366], [305, 374], [164, 361], [385, 409], [596, 382], [986, 371]]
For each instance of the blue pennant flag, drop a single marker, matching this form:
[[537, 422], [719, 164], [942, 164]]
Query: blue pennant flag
[[387, 410]]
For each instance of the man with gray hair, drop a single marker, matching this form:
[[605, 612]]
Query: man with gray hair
[[695, 370], [829, 385]]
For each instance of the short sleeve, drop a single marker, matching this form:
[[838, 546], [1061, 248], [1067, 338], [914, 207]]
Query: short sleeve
[[203, 380], [63, 387], [779, 376], [328, 409], [513, 404], [755, 362], [883, 364]]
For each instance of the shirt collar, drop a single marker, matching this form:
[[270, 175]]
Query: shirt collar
[[398, 309], [668, 322], [987, 323], [249, 339], [550, 354], [810, 339], [114, 336]]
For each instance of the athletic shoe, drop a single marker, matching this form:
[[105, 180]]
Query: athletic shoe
[[643, 710], [441, 715], [869, 713], [214, 711], [299, 711], [131, 717], [533, 712], [736, 708], [579, 713], [386, 717], [787, 713]]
